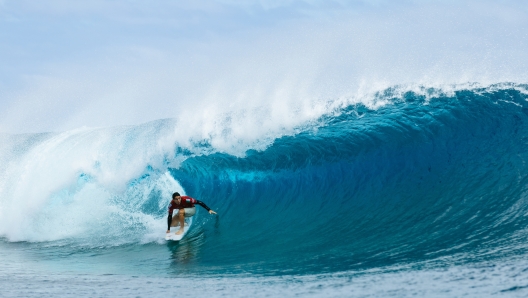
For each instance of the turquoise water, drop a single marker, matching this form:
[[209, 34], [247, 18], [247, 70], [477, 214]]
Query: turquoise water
[[424, 194]]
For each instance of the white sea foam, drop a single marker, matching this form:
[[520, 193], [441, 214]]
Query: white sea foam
[[78, 182]]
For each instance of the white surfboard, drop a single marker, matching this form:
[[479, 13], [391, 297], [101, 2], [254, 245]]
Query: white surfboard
[[173, 237]]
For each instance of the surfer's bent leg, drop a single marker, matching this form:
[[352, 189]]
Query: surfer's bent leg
[[175, 219], [181, 214]]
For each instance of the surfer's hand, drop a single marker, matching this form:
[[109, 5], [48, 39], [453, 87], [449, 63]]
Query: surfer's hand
[[212, 212]]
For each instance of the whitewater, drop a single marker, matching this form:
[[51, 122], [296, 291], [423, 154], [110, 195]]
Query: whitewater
[[350, 148]]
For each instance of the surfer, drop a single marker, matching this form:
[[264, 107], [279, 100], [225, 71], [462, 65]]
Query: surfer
[[185, 206]]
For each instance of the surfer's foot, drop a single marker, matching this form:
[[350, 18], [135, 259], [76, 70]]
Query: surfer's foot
[[179, 232], [168, 231]]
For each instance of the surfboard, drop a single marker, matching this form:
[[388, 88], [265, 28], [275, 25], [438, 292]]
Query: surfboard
[[173, 237]]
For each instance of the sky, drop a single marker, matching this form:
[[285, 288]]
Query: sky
[[71, 64]]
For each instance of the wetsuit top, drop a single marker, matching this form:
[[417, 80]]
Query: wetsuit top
[[186, 202]]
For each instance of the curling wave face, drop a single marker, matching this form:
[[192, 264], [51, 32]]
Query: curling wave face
[[416, 175]]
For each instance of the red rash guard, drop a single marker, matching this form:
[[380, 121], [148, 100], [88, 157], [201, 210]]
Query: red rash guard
[[186, 202]]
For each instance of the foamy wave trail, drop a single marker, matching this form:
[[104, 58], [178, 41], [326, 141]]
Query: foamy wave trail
[[430, 174], [86, 185]]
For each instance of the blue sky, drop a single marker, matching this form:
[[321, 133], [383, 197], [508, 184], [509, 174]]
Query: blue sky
[[69, 64]]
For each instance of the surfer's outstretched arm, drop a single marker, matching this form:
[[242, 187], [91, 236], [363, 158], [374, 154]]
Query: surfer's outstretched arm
[[205, 207]]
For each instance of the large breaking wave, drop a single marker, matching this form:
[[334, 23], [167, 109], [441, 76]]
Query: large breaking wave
[[412, 174]]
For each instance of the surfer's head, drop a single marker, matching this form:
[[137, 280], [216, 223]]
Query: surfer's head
[[176, 194]]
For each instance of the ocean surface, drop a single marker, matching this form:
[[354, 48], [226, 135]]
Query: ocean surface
[[414, 191]]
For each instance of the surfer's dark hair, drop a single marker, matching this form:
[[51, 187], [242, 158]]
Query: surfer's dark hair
[[176, 194]]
